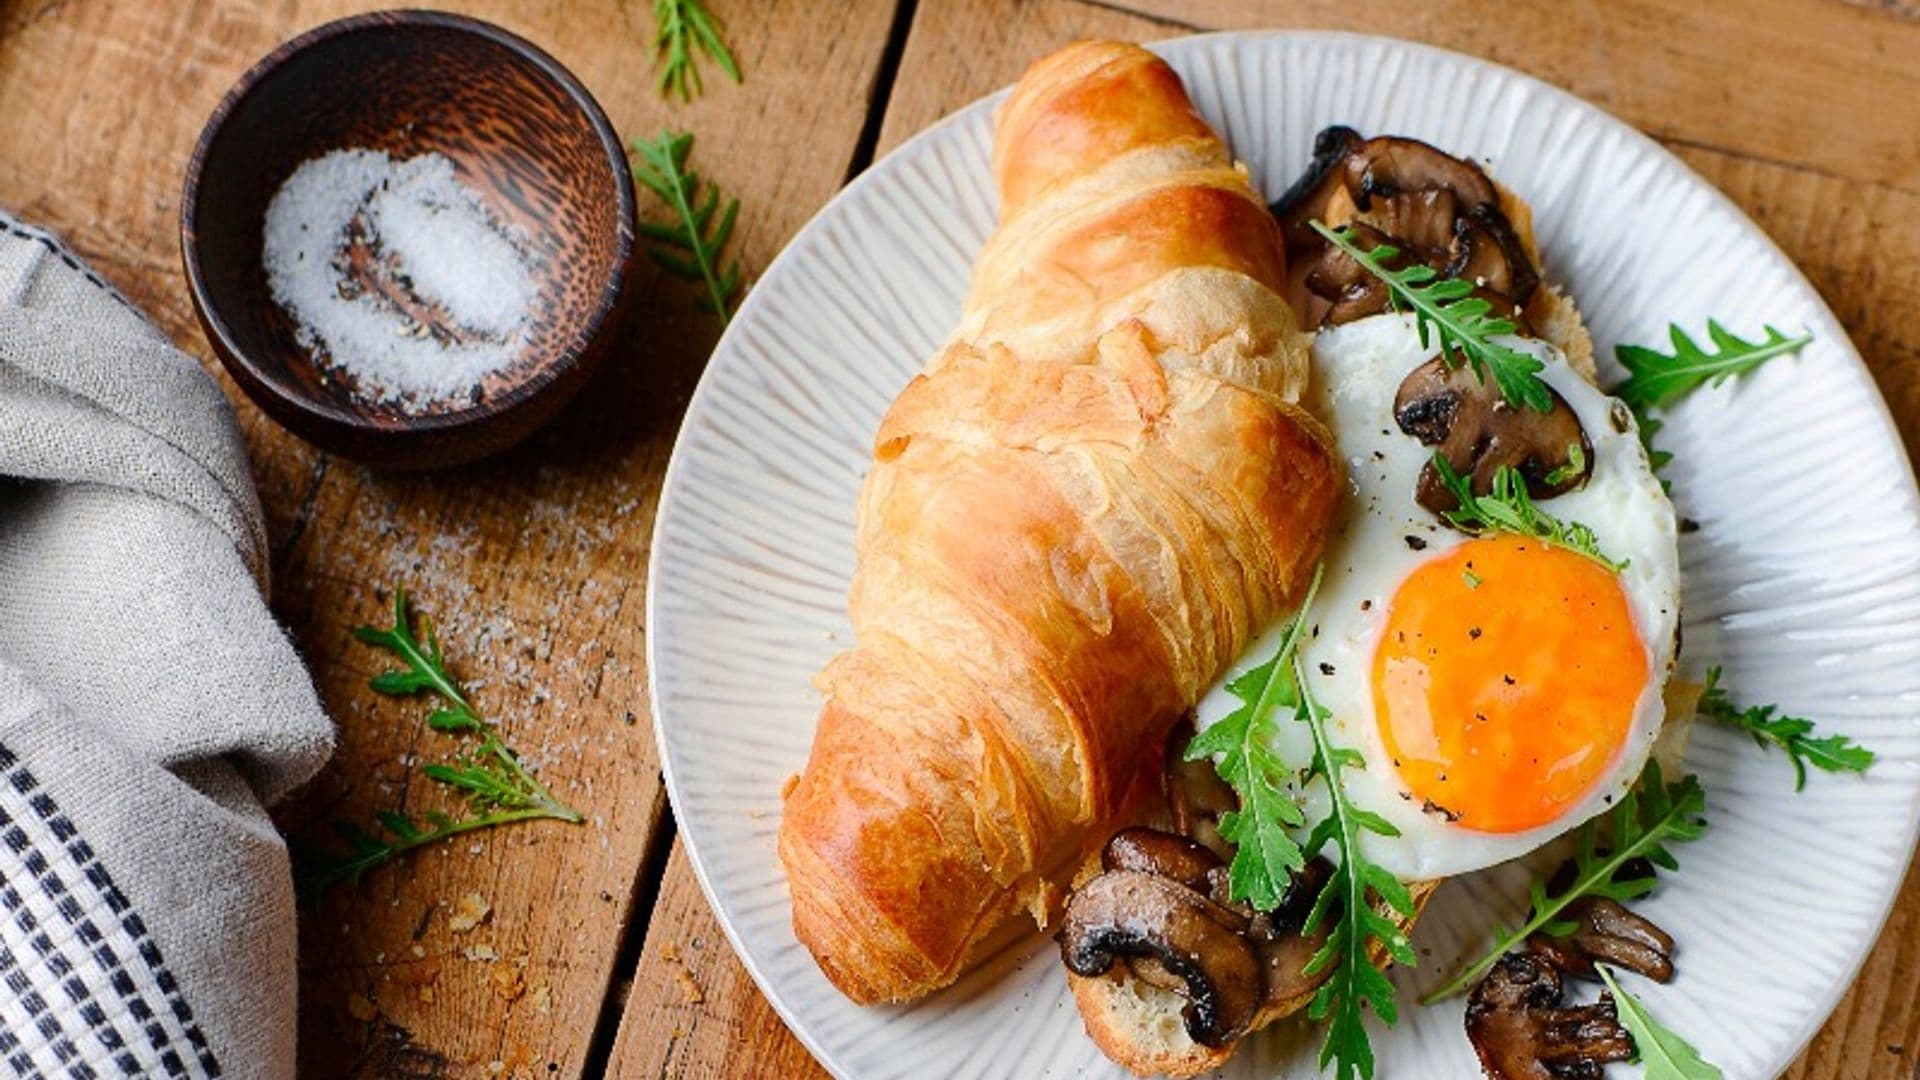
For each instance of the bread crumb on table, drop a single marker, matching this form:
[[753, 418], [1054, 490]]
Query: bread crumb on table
[[510, 979], [689, 986], [471, 911]]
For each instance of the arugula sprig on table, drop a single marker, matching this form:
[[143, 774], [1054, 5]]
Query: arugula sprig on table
[[680, 27], [1832, 753], [1656, 380], [1665, 1054], [1464, 324], [1265, 855], [1349, 907], [692, 246], [1508, 508], [1642, 823], [488, 777]]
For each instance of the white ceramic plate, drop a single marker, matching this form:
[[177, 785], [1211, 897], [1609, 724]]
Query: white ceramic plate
[[1803, 580]]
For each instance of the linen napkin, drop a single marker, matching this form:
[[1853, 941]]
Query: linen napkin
[[149, 705]]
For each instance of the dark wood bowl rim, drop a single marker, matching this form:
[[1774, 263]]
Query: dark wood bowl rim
[[544, 370]]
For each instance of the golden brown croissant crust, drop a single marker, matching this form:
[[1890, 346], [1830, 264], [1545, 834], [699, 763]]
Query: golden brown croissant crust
[[1076, 517]]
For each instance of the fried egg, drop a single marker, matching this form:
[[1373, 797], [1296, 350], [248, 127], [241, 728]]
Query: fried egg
[[1500, 689]]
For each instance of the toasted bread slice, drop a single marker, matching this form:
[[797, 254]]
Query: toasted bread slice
[[1139, 1025]]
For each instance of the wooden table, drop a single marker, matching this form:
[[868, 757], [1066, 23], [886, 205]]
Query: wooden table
[[598, 954]]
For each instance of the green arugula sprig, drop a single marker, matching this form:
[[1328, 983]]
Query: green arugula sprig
[[1656, 380], [489, 777], [1351, 899], [1665, 1054], [1464, 324], [1641, 825], [1265, 855], [1832, 753], [1575, 467], [692, 246], [680, 26], [1508, 508]]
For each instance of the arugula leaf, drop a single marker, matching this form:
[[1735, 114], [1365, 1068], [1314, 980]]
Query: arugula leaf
[[1666, 1055], [1655, 380], [426, 666], [1833, 753], [490, 779], [1463, 323], [1649, 426], [1351, 898], [679, 27], [1576, 464], [1642, 822], [691, 247], [1508, 508], [1265, 855]]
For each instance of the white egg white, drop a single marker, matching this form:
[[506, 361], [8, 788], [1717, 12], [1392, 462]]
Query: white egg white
[[1381, 535]]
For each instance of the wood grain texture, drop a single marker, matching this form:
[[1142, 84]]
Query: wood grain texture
[[534, 564], [694, 1012], [1850, 219], [1821, 75]]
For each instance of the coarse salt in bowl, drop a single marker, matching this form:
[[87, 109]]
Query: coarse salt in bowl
[[408, 237]]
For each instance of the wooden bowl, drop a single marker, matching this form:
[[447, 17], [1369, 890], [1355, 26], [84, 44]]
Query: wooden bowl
[[522, 133]]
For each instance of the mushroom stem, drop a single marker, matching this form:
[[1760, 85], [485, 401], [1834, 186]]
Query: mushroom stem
[[1521, 1031]]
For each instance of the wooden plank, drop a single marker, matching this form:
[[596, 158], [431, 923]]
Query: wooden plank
[[534, 565], [1857, 238], [959, 51], [1803, 82], [694, 1012]]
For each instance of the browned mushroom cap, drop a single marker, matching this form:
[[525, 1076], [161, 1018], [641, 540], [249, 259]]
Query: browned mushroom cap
[[1154, 852], [1282, 944], [1608, 933], [1354, 293], [1290, 914], [1521, 1031], [1196, 795], [1284, 982], [1390, 165], [1307, 199], [1485, 250], [1127, 913], [1439, 210], [1479, 431], [1421, 220]]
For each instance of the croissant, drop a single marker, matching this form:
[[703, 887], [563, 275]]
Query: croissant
[[1076, 516]]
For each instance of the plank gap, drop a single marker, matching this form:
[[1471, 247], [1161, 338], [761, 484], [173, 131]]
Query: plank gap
[[626, 961], [882, 95], [302, 514]]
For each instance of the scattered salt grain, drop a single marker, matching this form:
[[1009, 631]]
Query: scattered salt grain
[[397, 276]]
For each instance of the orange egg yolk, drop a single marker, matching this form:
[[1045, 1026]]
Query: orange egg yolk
[[1506, 681]]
